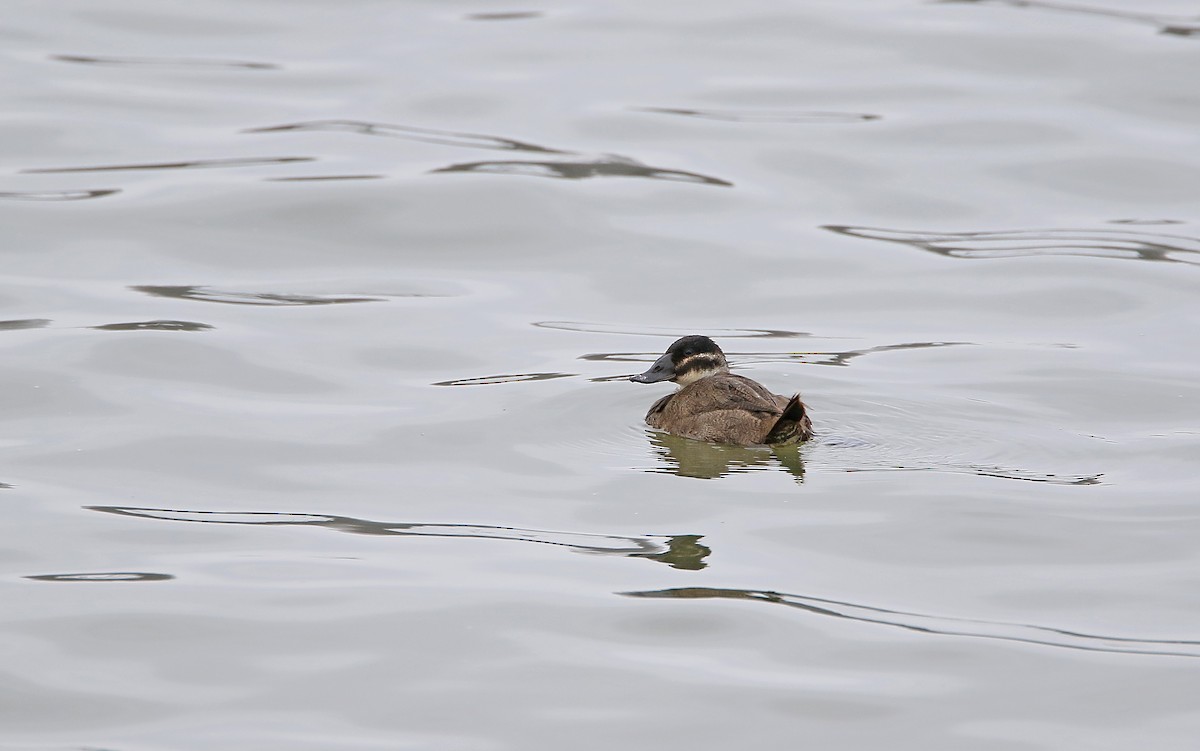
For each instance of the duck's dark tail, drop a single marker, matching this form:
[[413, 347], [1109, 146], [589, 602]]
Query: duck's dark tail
[[793, 425]]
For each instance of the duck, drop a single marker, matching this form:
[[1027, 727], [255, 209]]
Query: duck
[[717, 406]]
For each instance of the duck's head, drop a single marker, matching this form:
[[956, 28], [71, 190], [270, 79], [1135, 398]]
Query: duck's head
[[687, 360]]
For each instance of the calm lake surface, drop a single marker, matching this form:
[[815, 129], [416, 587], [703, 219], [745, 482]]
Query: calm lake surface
[[316, 320]]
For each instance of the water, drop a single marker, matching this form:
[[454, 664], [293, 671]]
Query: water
[[316, 319]]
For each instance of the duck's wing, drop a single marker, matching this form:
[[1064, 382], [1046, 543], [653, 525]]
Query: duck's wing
[[738, 392], [654, 416]]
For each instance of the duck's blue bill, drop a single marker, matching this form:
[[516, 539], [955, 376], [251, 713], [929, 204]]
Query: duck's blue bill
[[662, 370]]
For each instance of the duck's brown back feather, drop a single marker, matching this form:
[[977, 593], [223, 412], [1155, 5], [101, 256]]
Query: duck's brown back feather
[[728, 408]]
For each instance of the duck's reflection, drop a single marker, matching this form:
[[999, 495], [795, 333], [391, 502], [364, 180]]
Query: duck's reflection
[[944, 625], [677, 551], [690, 458]]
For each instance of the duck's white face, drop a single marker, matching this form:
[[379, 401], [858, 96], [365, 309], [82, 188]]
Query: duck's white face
[[699, 366]]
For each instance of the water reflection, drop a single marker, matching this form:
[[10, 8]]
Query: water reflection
[[1096, 243], [24, 323], [611, 166], [196, 164], [1167, 24], [110, 576], [689, 458], [154, 326], [56, 195], [207, 294], [187, 62], [942, 625], [763, 116], [677, 551]]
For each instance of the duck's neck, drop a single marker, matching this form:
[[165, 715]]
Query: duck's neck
[[699, 366]]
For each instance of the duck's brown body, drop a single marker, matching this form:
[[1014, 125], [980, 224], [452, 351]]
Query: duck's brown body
[[716, 405]]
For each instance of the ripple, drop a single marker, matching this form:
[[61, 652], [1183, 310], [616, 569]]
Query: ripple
[[514, 15], [322, 178], [207, 294], [109, 576], [982, 470], [1181, 30], [579, 170], [677, 551], [507, 378], [154, 326], [921, 623], [581, 167], [56, 195], [425, 135], [1096, 243], [764, 116], [188, 62], [614, 328], [24, 323], [921, 436], [1167, 24], [196, 164], [840, 359]]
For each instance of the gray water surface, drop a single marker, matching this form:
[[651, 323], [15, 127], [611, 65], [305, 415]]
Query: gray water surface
[[316, 321]]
